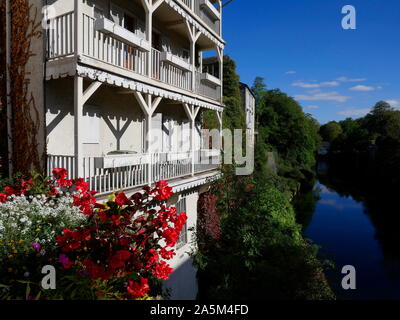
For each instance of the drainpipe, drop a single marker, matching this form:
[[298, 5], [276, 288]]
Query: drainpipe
[[8, 85]]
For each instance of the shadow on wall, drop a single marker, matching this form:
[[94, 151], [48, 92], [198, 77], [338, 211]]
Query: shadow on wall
[[182, 284], [107, 108]]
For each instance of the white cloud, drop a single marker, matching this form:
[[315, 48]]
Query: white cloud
[[323, 96], [345, 79], [315, 85], [291, 72], [312, 107], [363, 88], [395, 103], [354, 112]]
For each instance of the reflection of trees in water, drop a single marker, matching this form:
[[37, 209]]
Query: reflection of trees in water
[[305, 203], [350, 177]]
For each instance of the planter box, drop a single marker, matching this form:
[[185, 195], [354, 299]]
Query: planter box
[[178, 156], [210, 153], [175, 61], [107, 26], [108, 162], [210, 79], [207, 5]]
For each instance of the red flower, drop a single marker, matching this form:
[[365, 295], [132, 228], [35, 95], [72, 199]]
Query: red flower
[[94, 270], [119, 258], [138, 289], [152, 259], [3, 197], [9, 191], [60, 173], [162, 271], [180, 221], [121, 199], [171, 236], [81, 185], [167, 255], [163, 191]]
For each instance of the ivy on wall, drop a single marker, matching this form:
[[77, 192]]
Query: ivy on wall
[[25, 116]]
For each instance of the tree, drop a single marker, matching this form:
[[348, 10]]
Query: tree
[[284, 127], [259, 88], [330, 131]]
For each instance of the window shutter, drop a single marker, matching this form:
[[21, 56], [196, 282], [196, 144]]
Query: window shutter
[[156, 127], [168, 134], [185, 142]]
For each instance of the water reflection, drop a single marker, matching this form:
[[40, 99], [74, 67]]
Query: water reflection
[[354, 221]]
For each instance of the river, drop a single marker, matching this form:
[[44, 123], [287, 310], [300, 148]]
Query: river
[[347, 224]]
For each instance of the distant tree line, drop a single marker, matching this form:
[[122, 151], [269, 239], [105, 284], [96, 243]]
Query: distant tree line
[[374, 139]]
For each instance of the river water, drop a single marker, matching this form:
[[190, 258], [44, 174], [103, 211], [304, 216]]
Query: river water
[[350, 233]]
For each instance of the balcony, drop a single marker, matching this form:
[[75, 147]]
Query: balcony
[[129, 38], [206, 11], [209, 7], [114, 46], [170, 73], [210, 79], [112, 173], [208, 85], [176, 61]]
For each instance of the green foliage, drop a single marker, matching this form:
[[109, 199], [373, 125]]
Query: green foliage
[[262, 253], [284, 127], [231, 79], [330, 131], [234, 117]]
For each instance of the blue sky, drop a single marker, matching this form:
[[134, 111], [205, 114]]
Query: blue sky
[[301, 48]]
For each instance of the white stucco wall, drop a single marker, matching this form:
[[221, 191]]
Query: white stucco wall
[[182, 284], [119, 118]]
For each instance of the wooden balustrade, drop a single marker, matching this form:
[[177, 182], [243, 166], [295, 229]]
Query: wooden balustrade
[[164, 166]]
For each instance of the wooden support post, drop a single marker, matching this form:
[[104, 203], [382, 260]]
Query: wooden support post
[[80, 98], [220, 54], [193, 37], [192, 112], [78, 113], [78, 28], [148, 106]]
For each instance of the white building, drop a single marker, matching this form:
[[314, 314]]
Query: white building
[[121, 73], [249, 107]]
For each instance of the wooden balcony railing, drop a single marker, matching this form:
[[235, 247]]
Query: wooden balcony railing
[[111, 49], [164, 166]]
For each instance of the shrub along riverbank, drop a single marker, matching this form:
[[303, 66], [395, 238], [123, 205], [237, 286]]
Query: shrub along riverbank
[[250, 246]]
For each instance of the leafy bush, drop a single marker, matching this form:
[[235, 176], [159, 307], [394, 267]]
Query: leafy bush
[[261, 253]]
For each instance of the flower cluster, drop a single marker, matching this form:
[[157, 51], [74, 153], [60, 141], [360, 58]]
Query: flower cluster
[[127, 239], [120, 245], [37, 218]]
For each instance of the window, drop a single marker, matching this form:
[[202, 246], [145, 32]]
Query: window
[[185, 54], [156, 41], [129, 22], [183, 236]]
